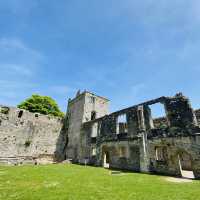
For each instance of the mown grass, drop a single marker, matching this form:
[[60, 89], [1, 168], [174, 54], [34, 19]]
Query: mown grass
[[73, 182]]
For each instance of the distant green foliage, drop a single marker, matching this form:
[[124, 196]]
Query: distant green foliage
[[41, 104]]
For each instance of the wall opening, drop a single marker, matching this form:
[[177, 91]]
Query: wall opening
[[94, 151], [157, 110], [122, 152], [106, 160], [93, 115], [94, 130], [92, 99], [158, 115], [161, 153], [185, 164], [20, 113], [140, 116], [122, 124]]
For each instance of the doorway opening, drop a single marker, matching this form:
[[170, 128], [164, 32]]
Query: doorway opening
[[185, 164], [106, 160]]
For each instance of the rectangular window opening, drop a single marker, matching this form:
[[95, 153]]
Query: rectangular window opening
[[161, 153], [140, 116], [122, 124], [94, 130], [20, 113], [122, 152], [158, 116], [92, 99], [94, 151], [93, 115]]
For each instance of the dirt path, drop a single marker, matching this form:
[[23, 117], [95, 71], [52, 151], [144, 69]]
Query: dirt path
[[178, 180]]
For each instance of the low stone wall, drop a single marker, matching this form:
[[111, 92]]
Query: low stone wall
[[30, 137]]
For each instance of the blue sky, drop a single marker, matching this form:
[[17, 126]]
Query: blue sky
[[129, 51]]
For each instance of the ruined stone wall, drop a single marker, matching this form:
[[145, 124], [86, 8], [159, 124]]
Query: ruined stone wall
[[197, 113], [122, 154], [75, 118], [162, 121], [81, 109], [145, 144], [30, 137], [96, 104], [174, 147]]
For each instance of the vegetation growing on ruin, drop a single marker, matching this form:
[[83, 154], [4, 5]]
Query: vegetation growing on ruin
[[4, 110], [27, 143], [73, 182], [41, 104]]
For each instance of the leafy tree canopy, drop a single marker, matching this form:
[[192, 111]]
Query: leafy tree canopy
[[41, 104]]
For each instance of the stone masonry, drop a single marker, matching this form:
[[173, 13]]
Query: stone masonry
[[129, 139], [30, 137]]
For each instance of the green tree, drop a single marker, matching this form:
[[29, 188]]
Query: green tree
[[41, 104]]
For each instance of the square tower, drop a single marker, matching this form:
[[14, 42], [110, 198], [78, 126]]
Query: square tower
[[84, 107]]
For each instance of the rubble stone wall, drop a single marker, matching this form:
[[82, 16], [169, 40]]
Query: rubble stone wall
[[30, 137], [152, 146]]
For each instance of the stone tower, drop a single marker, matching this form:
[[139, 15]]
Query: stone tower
[[84, 107]]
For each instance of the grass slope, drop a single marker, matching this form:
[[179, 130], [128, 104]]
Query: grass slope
[[73, 182]]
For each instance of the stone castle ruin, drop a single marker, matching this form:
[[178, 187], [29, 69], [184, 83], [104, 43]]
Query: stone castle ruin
[[129, 139]]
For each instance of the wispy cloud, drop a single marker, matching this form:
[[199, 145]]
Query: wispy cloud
[[14, 47], [13, 91], [129, 50], [16, 69], [19, 64], [18, 58], [62, 90]]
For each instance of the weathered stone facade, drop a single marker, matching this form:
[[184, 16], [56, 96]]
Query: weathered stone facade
[[83, 108], [130, 139], [30, 137]]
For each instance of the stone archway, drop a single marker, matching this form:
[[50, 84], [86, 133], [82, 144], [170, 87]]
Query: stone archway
[[185, 164]]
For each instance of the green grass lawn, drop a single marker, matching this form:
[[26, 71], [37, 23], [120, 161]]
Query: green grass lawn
[[73, 182]]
